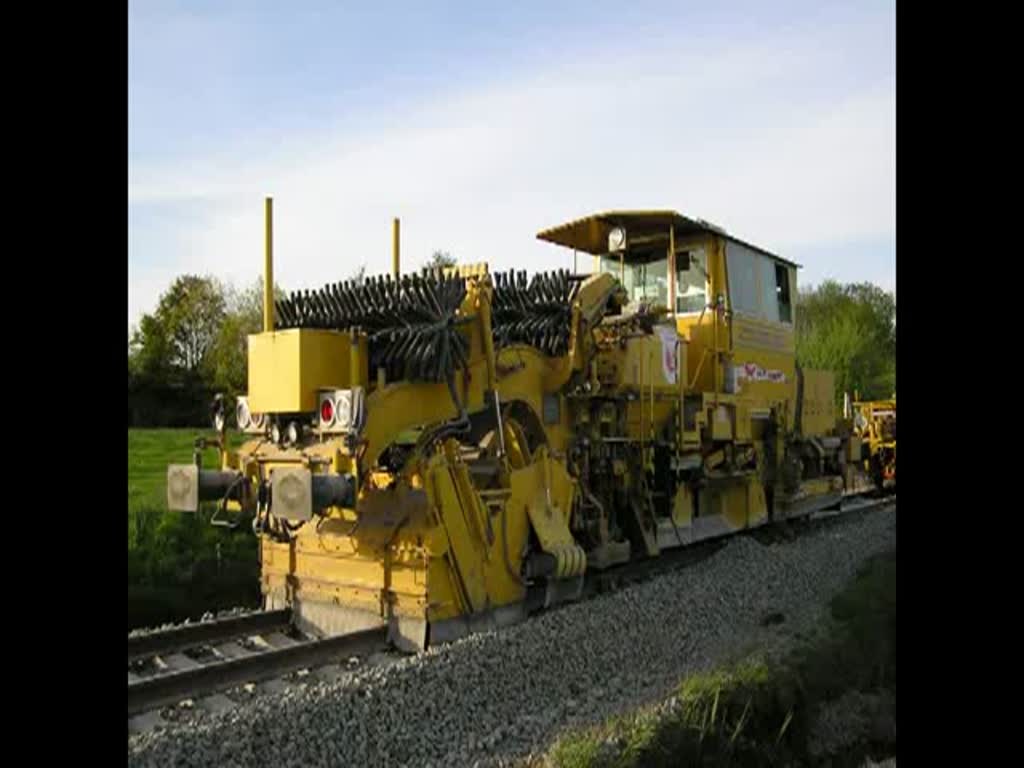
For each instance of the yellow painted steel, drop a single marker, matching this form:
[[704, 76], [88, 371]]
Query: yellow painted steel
[[875, 427], [268, 266], [590, 233], [682, 506], [547, 492], [359, 360], [654, 429], [287, 368], [818, 414], [396, 247]]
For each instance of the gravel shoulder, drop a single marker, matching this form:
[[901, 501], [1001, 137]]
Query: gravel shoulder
[[496, 698], [209, 616]]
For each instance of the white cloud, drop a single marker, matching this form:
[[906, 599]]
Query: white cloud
[[740, 137]]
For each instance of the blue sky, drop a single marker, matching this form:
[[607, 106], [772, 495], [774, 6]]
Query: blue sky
[[481, 123]]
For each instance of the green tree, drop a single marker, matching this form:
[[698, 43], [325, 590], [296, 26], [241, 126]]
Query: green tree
[[851, 330], [192, 310], [179, 336], [149, 350], [243, 316], [441, 259]]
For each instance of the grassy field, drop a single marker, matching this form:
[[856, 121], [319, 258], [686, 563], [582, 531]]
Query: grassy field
[[179, 566], [149, 453]]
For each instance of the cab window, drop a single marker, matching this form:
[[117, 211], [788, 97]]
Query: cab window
[[691, 282], [644, 276], [759, 286], [743, 284], [769, 289], [782, 290]]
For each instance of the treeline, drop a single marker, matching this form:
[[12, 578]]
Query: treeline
[[849, 329], [194, 344]]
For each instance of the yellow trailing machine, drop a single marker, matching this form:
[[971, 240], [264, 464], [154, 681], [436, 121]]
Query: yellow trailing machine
[[446, 451], [874, 424]]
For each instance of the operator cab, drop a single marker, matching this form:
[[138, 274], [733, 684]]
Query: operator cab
[[665, 259], [635, 247], [730, 300], [645, 274]]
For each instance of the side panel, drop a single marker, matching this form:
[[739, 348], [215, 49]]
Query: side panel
[[818, 415], [756, 358], [763, 367], [286, 368], [699, 327], [762, 341]]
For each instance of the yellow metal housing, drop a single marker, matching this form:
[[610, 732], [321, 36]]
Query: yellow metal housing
[[662, 422], [287, 368]]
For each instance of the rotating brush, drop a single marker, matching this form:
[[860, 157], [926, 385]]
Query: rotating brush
[[538, 312], [410, 322]]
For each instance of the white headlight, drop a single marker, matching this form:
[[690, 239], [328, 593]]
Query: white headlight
[[275, 434], [616, 239], [242, 415], [343, 409], [293, 433]]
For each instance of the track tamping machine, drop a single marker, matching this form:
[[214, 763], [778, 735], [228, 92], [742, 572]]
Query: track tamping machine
[[446, 451]]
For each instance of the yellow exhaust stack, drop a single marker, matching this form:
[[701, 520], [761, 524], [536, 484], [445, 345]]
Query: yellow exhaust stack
[[268, 267], [395, 247]]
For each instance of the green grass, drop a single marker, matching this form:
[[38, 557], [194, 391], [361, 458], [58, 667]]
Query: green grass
[[758, 712], [149, 453], [180, 566]]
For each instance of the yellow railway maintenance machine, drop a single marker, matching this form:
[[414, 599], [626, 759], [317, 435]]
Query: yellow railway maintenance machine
[[443, 452], [874, 424]]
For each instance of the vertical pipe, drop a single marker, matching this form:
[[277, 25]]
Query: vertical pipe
[[650, 421], [719, 307], [395, 248], [643, 450], [717, 358], [672, 269], [681, 378], [483, 307], [355, 361], [268, 266]]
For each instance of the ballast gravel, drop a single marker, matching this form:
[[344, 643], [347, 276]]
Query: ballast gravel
[[227, 613], [498, 697]]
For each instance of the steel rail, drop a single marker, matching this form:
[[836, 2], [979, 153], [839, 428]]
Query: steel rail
[[154, 692], [165, 641], [160, 690]]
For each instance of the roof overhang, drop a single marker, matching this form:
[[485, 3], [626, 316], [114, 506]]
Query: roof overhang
[[590, 234]]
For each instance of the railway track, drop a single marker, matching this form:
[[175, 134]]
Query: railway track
[[199, 662], [672, 559]]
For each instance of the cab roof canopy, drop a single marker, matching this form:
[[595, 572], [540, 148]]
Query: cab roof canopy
[[590, 234]]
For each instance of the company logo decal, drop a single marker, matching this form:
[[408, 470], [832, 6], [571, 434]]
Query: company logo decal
[[754, 372]]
